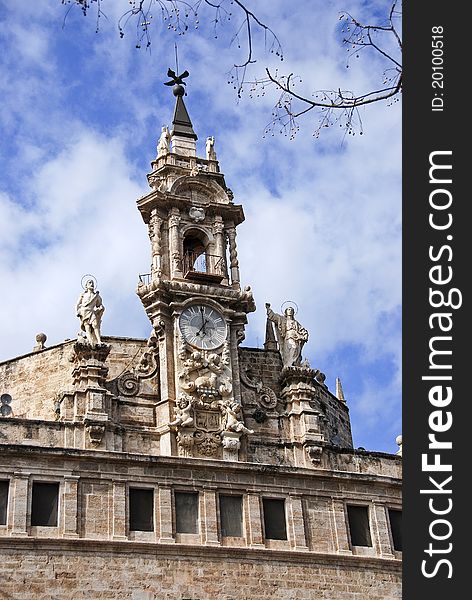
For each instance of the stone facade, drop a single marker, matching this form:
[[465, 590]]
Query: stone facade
[[93, 527], [188, 466]]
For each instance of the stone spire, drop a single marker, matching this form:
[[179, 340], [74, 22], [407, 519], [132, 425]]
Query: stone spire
[[339, 390], [182, 136], [270, 341]]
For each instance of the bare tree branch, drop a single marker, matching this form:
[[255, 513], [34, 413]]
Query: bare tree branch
[[333, 106], [338, 106]]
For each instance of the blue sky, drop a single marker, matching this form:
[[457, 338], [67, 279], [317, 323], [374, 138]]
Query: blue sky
[[79, 120]]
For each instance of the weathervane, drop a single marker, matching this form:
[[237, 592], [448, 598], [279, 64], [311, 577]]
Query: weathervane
[[177, 82]]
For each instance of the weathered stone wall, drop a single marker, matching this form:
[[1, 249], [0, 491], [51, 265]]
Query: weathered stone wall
[[92, 552], [34, 380], [269, 421], [131, 404], [144, 572], [93, 490]]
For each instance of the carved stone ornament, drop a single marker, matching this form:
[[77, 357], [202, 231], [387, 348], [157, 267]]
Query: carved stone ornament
[[128, 384], [157, 182], [160, 329], [240, 335], [95, 433], [207, 444], [231, 444], [197, 214], [314, 453], [186, 441], [265, 396], [205, 408], [148, 364]]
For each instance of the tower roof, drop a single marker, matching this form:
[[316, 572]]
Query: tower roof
[[181, 123]]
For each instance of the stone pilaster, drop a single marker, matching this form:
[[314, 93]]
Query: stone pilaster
[[19, 490], [340, 528], [119, 510], [209, 525], [254, 521], [165, 515], [90, 396], [381, 535], [296, 523], [164, 329], [69, 507], [299, 391]]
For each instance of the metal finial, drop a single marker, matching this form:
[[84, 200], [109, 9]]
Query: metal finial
[[176, 58]]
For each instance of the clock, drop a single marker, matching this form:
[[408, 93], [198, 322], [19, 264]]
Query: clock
[[202, 326]]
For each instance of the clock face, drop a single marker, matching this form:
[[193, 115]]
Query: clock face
[[202, 326]]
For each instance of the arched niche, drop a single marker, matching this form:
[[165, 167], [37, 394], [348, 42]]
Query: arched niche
[[202, 191], [198, 258]]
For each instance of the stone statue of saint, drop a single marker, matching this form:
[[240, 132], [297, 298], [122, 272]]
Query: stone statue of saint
[[90, 310], [163, 145], [210, 148], [291, 336]]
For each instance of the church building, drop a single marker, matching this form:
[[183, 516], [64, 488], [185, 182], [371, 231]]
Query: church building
[[188, 466]]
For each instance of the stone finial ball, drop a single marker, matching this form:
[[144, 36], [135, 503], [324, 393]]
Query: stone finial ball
[[398, 440], [178, 90], [41, 338]]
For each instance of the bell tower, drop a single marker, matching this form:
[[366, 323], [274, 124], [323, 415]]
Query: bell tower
[[193, 295]]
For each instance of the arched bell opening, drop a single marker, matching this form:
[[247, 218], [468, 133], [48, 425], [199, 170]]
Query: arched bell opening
[[198, 261]]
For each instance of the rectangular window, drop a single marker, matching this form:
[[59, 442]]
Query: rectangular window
[[359, 528], [186, 512], [141, 509], [274, 519], [4, 485], [231, 516], [44, 504], [395, 518]]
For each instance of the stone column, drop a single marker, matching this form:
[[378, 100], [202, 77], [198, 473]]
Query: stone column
[[119, 510], [69, 510], [296, 523], [155, 236], [165, 515], [19, 503], [254, 521], [218, 229], [340, 528], [381, 535], [233, 256], [174, 243], [209, 524]]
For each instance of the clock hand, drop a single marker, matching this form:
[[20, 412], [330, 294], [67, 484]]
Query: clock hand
[[205, 321]]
